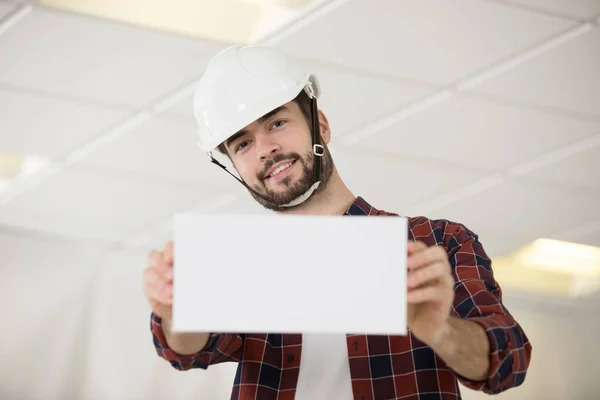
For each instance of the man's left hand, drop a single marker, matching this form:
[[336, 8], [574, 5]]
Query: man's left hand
[[430, 292]]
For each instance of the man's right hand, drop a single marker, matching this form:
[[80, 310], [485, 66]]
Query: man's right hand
[[158, 281], [158, 288]]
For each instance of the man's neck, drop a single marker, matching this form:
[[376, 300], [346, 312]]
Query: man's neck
[[334, 200]]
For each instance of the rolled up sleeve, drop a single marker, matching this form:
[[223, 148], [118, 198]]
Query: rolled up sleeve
[[221, 347], [478, 298]]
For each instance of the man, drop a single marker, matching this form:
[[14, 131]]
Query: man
[[258, 107]]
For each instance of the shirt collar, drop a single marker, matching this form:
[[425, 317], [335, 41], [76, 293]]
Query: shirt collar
[[360, 207]]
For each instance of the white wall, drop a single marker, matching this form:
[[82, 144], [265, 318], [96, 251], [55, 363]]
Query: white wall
[[75, 325]]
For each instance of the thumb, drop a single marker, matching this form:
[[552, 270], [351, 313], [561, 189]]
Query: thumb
[[168, 252]]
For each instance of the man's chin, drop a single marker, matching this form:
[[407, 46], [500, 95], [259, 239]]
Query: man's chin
[[278, 188], [274, 200]]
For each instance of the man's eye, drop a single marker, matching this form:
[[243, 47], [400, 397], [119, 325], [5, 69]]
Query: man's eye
[[241, 146], [279, 124]]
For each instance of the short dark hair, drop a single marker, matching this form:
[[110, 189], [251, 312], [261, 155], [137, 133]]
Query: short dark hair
[[303, 101]]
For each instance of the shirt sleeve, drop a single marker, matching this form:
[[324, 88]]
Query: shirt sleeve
[[478, 298], [221, 347]]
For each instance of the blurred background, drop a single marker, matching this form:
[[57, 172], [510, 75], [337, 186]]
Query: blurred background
[[485, 112]]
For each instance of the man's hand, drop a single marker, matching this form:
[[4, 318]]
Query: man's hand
[[158, 281], [430, 292], [158, 288]]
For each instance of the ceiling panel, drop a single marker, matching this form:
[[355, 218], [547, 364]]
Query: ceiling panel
[[235, 201], [349, 100], [592, 301], [5, 8], [498, 244], [565, 77], [428, 40], [97, 205], [240, 202], [49, 127], [480, 133], [522, 206], [396, 183], [592, 239], [95, 59], [162, 148], [244, 204], [584, 9], [581, 170]]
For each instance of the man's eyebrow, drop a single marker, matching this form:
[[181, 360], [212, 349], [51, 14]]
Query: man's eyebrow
[[261, 120], [272, 113], [235, 136]]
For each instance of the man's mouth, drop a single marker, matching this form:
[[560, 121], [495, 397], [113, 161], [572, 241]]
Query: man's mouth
[[279, 170]]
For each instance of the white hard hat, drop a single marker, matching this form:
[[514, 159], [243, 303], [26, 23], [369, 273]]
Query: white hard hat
[[241, 84]]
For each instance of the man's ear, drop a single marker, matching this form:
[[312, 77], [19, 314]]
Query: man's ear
[[324, 126]]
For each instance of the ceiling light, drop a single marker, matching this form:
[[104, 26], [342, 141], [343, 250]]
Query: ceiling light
[[551, 267], [280, 3], [226, 21], [567, 257], [14, 165]]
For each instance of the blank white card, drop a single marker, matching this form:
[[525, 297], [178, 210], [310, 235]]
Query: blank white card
[[289, 274]]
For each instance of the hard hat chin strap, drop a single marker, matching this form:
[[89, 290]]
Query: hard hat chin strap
[[318, 151], [298, 200]]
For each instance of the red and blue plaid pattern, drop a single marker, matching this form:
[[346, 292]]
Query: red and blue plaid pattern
[[382, 367]]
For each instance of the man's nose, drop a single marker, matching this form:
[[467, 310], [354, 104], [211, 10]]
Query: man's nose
[[266, 147]]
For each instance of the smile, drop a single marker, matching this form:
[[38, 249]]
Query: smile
[[281, 171]]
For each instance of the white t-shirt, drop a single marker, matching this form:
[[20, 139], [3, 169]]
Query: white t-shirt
[[324, 368]]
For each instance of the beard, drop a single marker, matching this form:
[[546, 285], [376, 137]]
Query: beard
[[273, 200]]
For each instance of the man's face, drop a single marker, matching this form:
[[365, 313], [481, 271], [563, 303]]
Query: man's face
[[273, 155]]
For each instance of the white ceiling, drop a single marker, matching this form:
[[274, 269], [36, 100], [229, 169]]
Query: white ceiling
[[486, 112], [579, 9], [437, 108]]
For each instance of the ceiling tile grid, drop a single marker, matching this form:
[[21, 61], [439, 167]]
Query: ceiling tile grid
[[427, 40], [90, 58], [580, 9], [397, 183], [564, 78], [161, 148], [90, 203], [526, 207], [5, 9], [578, 172], [47, 126], [479, 133]]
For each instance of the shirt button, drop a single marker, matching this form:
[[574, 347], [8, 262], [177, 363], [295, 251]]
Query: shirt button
[[290, 357]]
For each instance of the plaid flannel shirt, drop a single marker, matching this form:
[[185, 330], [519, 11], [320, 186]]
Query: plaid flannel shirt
[[382, 367]]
